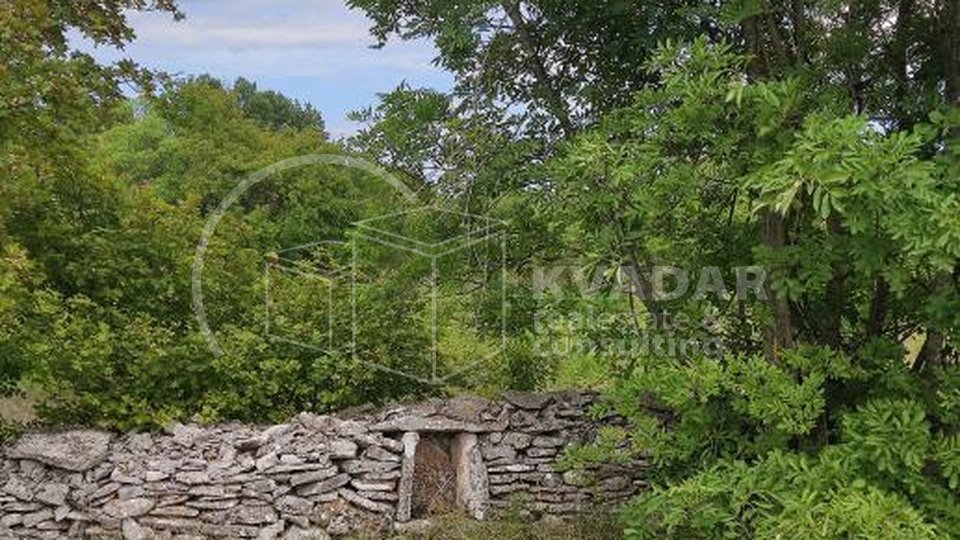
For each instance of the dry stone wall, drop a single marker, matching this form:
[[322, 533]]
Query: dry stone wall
[[314, 477]]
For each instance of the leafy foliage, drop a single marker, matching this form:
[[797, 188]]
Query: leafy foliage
[[817, 140]]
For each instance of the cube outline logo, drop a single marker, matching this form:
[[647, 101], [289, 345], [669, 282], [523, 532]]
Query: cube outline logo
[[492, 229], [275, 261], [213, 220]]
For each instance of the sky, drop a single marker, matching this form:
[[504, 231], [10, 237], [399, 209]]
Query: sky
[[316, 51]]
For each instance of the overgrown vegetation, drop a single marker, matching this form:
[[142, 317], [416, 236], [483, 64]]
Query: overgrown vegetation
[[815, 139]]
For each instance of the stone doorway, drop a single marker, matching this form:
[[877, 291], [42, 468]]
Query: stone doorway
[[446, 474], [435, 479]]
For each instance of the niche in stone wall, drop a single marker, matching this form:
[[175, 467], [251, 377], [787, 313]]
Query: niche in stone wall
[[448, 475], [435, 478]]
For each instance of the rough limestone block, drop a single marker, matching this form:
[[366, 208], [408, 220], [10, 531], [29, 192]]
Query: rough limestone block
[[53, 494], [323, 486], [291, 504], [407, 470], [121, 509], [472, 484], [76, 450], [353, 498]]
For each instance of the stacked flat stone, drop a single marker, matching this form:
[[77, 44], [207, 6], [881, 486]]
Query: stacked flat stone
[[314, 477]]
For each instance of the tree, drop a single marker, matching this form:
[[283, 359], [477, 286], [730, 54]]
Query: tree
[[817, 140], [274, 110]]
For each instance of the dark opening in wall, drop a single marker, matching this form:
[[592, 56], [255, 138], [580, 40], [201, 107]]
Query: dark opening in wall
[[435, 480]]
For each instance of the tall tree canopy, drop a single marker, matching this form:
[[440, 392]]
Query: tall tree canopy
[[816, 140]]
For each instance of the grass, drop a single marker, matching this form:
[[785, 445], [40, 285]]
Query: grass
[[593, 525]]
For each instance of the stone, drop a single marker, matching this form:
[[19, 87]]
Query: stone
[[527, 400], [290, 459], [548, 442], [342, 449], [417, 528], [33, 470], [122, 509], [35, 518], [323, 486], [523, 420], [134, 531], [318, 423], [9, 520], [351, 428], [130, 492], [187, 435], [575, 478], [300, 467], [465, 408], [251, 443], [360, 466], [267, 461], [246, 514], [390, 496], [364, 503], [272, 531], [53, 494], [552, 480], [360, 485], [61, 512], [262, 485], [300, 521], [517, 440], [121, 475], [539, 452], [214, 504], [168, 466], [291, 504], [380, 475], [192, 478], [425, 424], [501, 489], [277, 431], [156, 476], [140, 442], [407, 470], [617, 483], [499, 451], [19, 488], [472, 486], [212, 491], [18, 506], [512, 468], [312, 476], [379, 453], [104, 490], [178, 525], [375, 439], [77, 450], [175, 511], [301, 533]]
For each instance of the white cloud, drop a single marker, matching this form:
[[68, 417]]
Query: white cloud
[[205, 32], [315, 50]]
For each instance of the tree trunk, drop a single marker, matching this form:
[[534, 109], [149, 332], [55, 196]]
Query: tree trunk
[[780, 335], [544, 84]]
